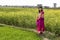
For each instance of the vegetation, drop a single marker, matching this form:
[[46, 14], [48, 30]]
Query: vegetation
[[26, 17], [9, 33]]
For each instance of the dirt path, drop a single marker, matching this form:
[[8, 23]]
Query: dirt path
[[34, 30], [44, 38]]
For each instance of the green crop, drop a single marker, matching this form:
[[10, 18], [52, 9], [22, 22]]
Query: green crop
[[26, 17]]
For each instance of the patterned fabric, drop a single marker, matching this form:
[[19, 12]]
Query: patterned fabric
[[40, 23]]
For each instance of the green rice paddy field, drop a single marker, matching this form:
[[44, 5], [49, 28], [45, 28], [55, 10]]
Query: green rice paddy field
[[26, 18], [9, 33]]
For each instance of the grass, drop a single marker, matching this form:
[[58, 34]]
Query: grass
[[26, 17], [9, 33], [15, 33], [18, 17]]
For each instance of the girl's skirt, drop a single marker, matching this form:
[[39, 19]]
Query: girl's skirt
[[40, 24]]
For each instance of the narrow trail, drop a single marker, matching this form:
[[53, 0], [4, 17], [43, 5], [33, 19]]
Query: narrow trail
[[28, 29], [34, 30]]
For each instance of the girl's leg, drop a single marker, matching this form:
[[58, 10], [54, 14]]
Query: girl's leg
[[38, 29], [43, 28]]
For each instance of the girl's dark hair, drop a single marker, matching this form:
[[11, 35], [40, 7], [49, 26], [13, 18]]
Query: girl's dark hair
[[41, 9]]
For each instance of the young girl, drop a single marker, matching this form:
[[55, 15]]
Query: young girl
[[40, 21]]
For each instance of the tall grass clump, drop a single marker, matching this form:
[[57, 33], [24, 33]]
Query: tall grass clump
[[21, 17], [52, 21], [26, 17]]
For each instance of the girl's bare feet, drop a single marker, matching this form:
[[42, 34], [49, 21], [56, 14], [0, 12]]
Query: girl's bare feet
[[41, 32]]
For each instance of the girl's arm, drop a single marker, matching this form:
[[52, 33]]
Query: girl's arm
[[39, 16]]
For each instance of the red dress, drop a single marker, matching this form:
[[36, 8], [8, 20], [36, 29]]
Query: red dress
[[40, 23]]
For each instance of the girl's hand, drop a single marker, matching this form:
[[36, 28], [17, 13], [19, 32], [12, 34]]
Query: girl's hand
[[38, 16]]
